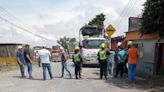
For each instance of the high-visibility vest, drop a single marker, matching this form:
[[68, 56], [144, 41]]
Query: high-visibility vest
[[76, 57], [102, 55]]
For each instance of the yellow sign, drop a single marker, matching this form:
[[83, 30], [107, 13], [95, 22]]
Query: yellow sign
[[110, 30]]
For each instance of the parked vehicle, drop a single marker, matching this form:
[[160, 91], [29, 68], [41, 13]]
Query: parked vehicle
[[90, 39], [56, 55]]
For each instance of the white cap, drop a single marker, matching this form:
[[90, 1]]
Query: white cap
[[20, 47]]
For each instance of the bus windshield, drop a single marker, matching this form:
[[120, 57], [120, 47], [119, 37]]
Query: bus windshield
[[89, 44]]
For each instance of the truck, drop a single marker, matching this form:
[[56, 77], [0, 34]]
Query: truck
[[90, 39]]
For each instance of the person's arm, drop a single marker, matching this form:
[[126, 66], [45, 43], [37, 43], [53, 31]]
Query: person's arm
[[28, 57], [49, 55], [18, 59], [73, 59], [98, 56], [125, 56]]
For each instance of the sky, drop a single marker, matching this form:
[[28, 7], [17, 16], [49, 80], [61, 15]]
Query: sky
[[53, 19]]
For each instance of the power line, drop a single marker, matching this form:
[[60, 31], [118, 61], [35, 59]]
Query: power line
[[127, 12], [17, 25], [123, 11], [23, 29]]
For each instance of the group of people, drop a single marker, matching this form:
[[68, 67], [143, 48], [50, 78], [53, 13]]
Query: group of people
[[24, 57], [117, 62], [111, 62]]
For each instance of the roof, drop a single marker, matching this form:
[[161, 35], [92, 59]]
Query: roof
[[94, 38], [135, 35], [13, 44]]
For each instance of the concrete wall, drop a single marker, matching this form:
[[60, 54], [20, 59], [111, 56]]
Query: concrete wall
[[146, 61]]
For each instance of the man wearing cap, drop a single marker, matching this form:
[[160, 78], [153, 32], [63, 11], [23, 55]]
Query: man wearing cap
[[64, 57], [20, 60], [45, 56]]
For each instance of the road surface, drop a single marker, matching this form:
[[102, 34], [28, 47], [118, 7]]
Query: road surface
[[11, 82]]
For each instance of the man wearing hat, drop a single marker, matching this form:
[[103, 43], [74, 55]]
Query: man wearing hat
[[102, 57], [77, 61], [20, 60], [132, 61]]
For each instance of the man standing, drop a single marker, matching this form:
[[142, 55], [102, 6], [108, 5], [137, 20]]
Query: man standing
[[77, 61], [20, 60], [64, 57], [132, 61], [28, 59], [102, 56], [44, 56], [121, 55]]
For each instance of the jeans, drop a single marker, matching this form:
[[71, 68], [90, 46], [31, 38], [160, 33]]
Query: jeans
[[103, 68], [48, 66], [110, 68], [29, 66], [64, 66], [22, 70], [131, 71]]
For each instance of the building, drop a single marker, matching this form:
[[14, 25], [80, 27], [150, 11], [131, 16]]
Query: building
[[8, 53], [150, 49], [115, 40]]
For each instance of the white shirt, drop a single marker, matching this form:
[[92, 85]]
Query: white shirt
[[44, 56]]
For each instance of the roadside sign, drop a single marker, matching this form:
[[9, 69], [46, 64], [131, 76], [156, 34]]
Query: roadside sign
[[110, 30]]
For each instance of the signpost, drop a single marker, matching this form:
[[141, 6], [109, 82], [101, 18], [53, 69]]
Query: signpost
[[109, 31]]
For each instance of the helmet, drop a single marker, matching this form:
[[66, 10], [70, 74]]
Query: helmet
[[20, 47], [130, 42], [119, 44], [102, 45], [77, 48]]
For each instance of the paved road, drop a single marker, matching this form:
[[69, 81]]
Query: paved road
[[11, 82]]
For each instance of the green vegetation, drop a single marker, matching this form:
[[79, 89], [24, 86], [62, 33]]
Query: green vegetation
[[98, 21], [153, 17], [67, 43], [6, 68]]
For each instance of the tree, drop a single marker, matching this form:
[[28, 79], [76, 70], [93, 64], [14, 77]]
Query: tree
[[64, 42], [67, 43], [98, 21], [153, 17]]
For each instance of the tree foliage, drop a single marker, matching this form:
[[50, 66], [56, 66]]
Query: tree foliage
[[98, 21], [153, 17], [64, 42], [67, 43]]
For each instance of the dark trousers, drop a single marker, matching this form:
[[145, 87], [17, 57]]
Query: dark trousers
[[120, 69], [103, 68], [77, 70], [125, 68]]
